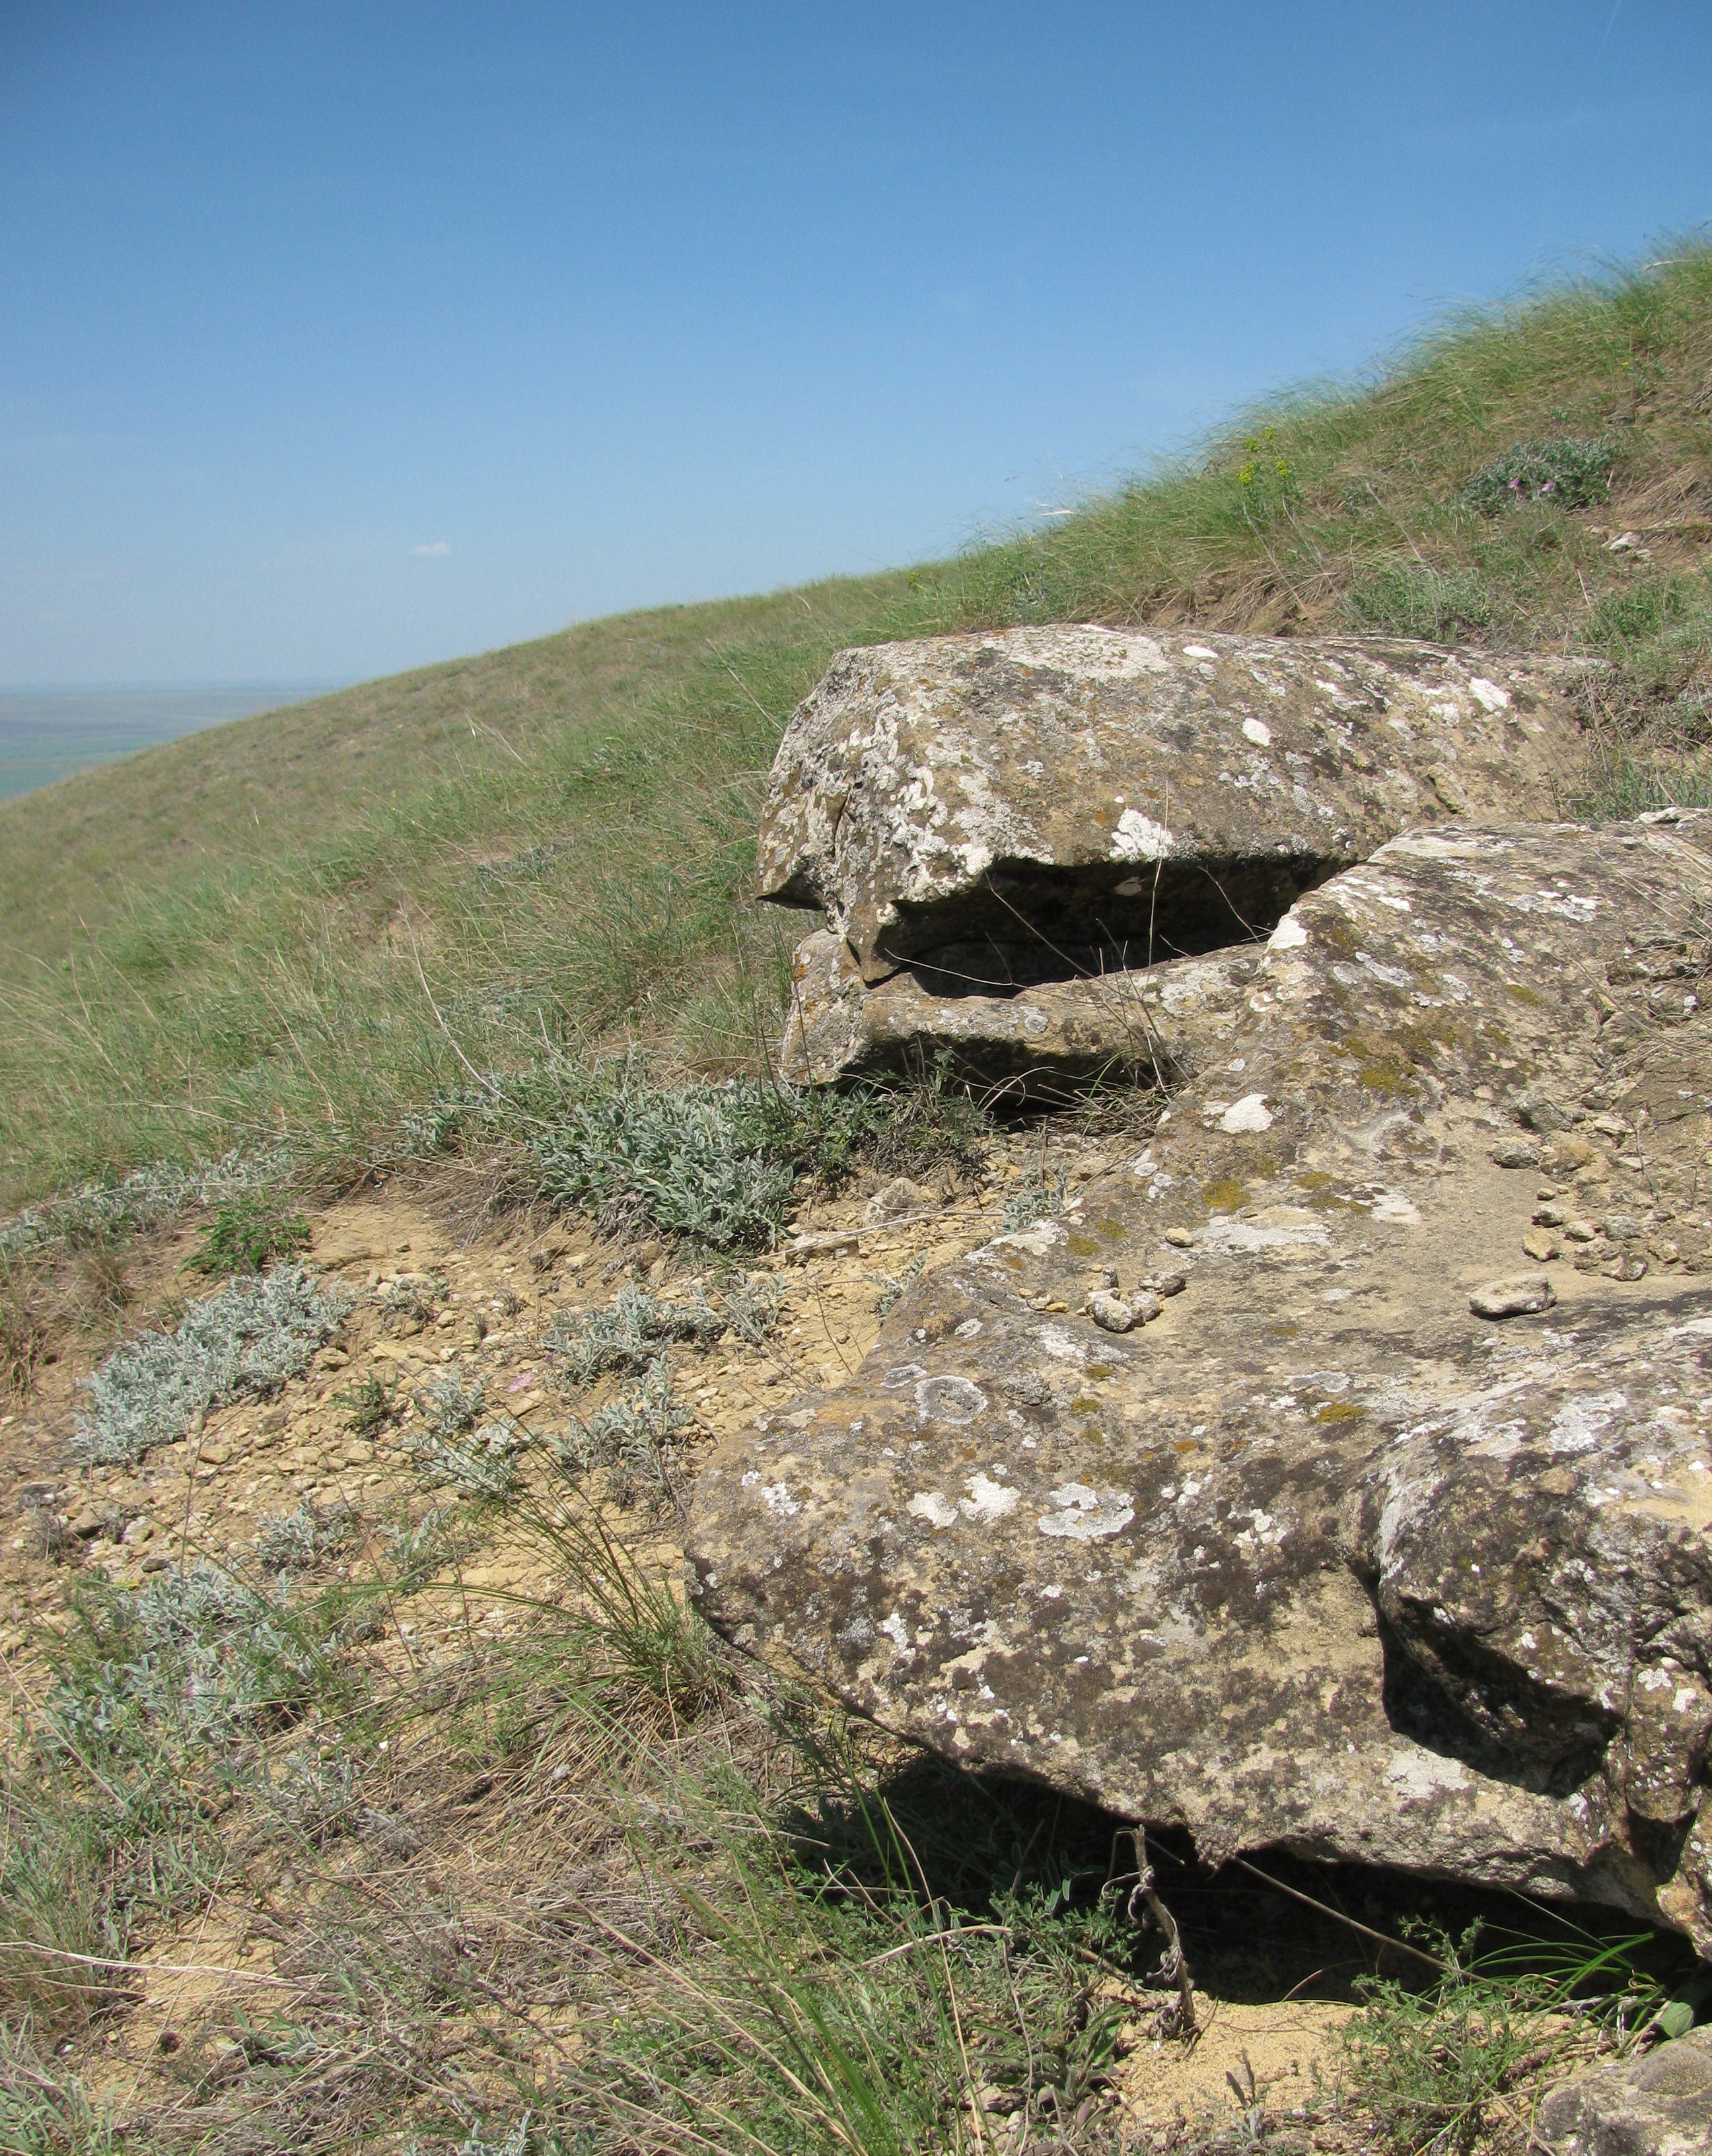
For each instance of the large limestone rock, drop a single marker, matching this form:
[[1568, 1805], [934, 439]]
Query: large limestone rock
[[1153, 1026], [1154, 795], [1318, 1556]]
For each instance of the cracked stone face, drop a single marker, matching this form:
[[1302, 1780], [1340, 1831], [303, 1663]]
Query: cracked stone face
[[1152, 795], [1319, 1557]]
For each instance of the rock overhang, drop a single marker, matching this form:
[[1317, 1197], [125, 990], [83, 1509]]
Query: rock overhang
[[1161, 794]]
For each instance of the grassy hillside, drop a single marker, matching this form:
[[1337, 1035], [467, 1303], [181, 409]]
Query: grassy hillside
[[313, 923]]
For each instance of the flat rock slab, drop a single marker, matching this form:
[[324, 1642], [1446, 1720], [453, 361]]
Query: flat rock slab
[[1319, 1557], [1154, 1026], [1659, 2104], [1162, 794]]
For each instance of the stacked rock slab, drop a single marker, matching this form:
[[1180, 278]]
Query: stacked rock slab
[[979, 814], [1318, 1558], [1149, 1026]]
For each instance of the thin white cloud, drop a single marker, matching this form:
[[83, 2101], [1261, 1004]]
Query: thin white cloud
[[440, 547]]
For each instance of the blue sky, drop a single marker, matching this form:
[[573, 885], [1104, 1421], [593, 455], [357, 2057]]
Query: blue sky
[[337, 339]]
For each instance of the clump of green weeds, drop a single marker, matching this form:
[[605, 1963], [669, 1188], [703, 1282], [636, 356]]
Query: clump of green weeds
[[247, 1339], [1658, 632], [24, 1328], [44, 2111], [370, 1405], [247, 1234], [1449, 2069], [1573, 471]]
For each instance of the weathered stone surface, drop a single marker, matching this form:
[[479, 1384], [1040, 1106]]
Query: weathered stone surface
[[1319, 1557], [1659, 2104], [1157, 795], [1155, 1025]]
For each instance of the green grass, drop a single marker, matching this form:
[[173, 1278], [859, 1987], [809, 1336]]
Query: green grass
[[328, 923]]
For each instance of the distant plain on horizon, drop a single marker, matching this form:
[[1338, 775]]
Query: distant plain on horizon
[[50, 734]]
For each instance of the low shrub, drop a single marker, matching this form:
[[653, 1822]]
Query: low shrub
[[1572, 470], [247, 1339], [719, 1166], [1034, 1198], [299, 1541], [631, 1334], [146, 1198], [454, 1447], [698, 1162]]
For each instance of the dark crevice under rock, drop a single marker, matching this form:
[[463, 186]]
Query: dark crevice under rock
[[1039, 922]]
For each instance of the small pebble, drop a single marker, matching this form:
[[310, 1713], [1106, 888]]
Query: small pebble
[[1540, 1244], [1580, 1231], [1516, 1155], [1180, 1239], [1519, 1298], [1547, 1216], [1111, 1313]]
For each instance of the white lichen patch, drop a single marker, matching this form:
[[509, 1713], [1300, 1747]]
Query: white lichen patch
[[1247, 1236], [933, 1507], [1417, 1776], [987, 1500], [1250, 1113], [949, 1400], [1257, 731], [1138, 837], [1082, 1514], [1289, 935]]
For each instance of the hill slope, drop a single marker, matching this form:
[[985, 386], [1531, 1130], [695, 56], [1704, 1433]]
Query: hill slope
[[314, 923]]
